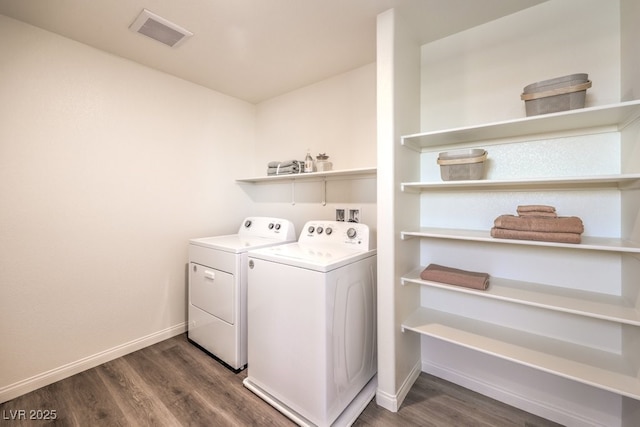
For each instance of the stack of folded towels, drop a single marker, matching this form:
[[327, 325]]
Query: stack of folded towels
[[454, 276], [538, 222], [284, 168]]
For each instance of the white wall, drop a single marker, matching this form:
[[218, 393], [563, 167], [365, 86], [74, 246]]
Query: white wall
[[106, 169], [629, 12], [478, 75], [336, 116]]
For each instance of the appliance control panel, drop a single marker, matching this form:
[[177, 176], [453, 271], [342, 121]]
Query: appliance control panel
[[336, 233], [273, 228]]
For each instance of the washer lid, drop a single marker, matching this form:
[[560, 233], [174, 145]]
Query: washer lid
[[318, 257], [235, 243]]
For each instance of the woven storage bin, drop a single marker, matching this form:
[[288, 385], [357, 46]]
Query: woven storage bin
[[462, 164], [554, 95]]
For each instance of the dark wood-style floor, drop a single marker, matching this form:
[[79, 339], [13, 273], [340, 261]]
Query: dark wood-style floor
[[173, 383]]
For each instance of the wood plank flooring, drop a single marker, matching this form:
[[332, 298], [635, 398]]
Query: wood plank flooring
[[173, 383]]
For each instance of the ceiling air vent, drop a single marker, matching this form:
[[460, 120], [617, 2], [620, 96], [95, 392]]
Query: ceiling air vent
[[158, 28]]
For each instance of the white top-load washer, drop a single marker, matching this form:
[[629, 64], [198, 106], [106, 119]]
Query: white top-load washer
[[312, 324], [218, 286]]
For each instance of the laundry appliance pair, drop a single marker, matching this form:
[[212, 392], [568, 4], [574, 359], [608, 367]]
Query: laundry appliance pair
[[310, 320]]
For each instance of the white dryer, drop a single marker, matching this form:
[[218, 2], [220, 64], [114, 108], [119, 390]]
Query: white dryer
[[312, 324], [218, 286]]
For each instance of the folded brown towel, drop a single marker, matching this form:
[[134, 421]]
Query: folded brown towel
[[454, 276], [562, 224], [558, 237], [535, 208], [539, 214]]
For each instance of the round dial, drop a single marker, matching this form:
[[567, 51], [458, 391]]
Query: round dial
[[247, 223], [351, 233], [320, 230], [328, 231], [311, 229]]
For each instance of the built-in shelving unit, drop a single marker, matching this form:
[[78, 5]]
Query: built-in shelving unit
[[576, 359], [557, 331]]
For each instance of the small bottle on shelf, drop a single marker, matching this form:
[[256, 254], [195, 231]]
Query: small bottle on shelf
[[308, 162]]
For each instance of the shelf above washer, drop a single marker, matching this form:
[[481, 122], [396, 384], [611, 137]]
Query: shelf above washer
[[322, 177], [314, 176]]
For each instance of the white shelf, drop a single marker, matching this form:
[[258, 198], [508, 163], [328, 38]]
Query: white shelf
[[314, 176], [608, 244], [605, 370], [624, 181], [588, 304], [587, 120]]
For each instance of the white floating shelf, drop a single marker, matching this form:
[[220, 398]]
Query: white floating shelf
[[588, 243], [624, 181], [314, 176], [583, 303], [597, 368], [609, 117]]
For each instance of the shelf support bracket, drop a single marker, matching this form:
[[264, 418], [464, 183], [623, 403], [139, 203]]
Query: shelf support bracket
[[293, 192], [324, 192]]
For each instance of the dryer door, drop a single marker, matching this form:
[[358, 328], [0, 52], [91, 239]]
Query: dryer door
[[212, 291]]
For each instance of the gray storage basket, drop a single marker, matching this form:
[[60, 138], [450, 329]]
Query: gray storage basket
[[554, 95], [462, 164]]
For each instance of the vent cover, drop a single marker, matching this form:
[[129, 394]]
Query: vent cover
[[158, 28]]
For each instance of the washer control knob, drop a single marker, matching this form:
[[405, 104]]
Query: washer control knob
[[311, 229], [351, 233], [319, 230], [329, 230], [270, 226], [251, 264], [247, 223], [278, 226]]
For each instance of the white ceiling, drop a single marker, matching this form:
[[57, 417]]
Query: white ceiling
[[251, 49]]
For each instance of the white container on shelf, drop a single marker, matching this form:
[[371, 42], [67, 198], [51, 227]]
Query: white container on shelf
[[322, 163]]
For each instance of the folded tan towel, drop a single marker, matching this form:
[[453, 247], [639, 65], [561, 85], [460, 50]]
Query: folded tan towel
[[562, 224], [454, 276], [535, 208], [541, 236], [539, 214]]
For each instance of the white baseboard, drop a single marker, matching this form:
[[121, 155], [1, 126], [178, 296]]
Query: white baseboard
[[27, 385], [393, 402], [543, 409]]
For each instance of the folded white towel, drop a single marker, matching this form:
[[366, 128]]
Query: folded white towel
[[283, 171], [284, 164]]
